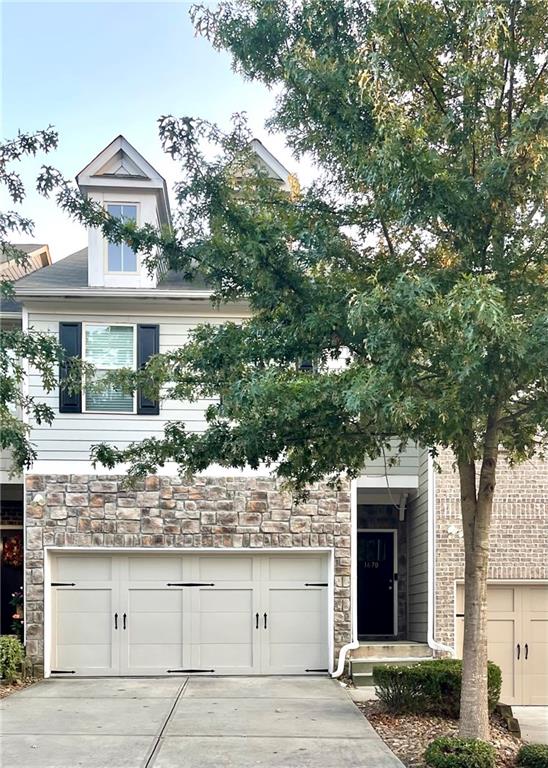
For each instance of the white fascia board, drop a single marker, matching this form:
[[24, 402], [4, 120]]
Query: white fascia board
[[269, 159], [154, 180], [392, 481], [120, 143], [10, 315]]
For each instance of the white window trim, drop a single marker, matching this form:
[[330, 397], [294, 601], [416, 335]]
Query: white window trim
[[106, 242], [85, 325]]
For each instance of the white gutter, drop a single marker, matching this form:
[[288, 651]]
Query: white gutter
[[132, 293], [353, 580], [432, 563]]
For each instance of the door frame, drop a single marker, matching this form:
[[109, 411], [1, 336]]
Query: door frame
[[51, 551], [393, 531]]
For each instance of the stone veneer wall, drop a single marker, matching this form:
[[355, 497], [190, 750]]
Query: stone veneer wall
[[519, 532], [221, 512]]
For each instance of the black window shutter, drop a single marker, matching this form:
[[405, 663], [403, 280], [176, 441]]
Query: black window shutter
[[70, 338], [148, 344]]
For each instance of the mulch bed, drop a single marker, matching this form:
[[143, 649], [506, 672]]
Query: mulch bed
[[408, 735], [6, 689]]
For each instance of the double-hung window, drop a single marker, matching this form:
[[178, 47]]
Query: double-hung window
[[120, 256], [109, 348]]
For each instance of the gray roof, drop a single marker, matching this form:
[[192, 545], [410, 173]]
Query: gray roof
[[72, 273]]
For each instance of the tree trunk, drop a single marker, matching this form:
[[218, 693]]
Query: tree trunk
[[476, 507]]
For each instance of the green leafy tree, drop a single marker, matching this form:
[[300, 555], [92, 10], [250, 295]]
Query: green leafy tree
[[404, 293], [19, 348], [412, 275]]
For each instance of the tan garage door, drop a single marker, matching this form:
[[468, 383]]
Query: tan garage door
[[158, 614], [517, 631]]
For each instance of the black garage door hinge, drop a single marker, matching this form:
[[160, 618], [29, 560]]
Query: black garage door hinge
[[189, 584], [459, 615], [63, 672], [316, 584], [63, 584], [187, 671], [316, 670]]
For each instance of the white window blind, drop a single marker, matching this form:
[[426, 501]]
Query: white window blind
[[109, 347]]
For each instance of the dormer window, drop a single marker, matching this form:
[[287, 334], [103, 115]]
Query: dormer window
[[120, 256]]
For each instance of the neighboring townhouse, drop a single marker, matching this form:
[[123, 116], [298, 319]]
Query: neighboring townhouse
[[11, 486], [225, 574]]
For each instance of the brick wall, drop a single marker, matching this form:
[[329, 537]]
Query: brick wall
[[166, 512], [519, 532]]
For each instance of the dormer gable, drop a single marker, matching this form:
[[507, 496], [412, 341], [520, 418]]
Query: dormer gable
[[124, 183]]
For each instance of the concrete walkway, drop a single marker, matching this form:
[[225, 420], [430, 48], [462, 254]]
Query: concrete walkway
[[262, 722], [533, 722]]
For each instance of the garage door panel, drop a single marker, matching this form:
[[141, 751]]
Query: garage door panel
[[154, 627], [160, 657], [214, 600], [154, 568], [232, 628], [76, 628], [501, 647], [296, 600], [537, 632], [297, 656], [76, 600], [227, 568], [296, 568], [225, 658], [501, 599], [154, 599], [536, 599], [91, 658], [80, 568]]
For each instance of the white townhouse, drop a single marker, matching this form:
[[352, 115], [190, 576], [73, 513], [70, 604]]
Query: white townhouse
[[225, 574]]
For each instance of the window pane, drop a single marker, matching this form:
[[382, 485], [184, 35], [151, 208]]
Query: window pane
[[114, 257], [129, 212], [110, 400], [129, 259], [115, 211], [122, 258], [110, 346]]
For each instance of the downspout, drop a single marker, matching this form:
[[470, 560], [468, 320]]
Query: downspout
[[353, 580], [432, 563]]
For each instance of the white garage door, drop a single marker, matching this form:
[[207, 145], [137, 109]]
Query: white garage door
[[157, 614], [517, 633]]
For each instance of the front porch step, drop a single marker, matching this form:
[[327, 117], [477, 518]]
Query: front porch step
[[369, 655], [383, 649], [365, 666]]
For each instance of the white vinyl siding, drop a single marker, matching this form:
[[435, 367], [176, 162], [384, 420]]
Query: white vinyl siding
[[417, 562], [71, 436], [109, 348]]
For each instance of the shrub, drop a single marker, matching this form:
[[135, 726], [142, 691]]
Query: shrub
[[431, 686], [11, 657], [533, 756], [451, 752]]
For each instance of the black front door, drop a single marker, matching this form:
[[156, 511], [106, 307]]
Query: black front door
[[376, 583]]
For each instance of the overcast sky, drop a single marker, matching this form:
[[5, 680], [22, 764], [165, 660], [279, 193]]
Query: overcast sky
[[95, 70]]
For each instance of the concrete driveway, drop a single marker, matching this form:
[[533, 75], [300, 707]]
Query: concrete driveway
[[264, 722], [533, 721]]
